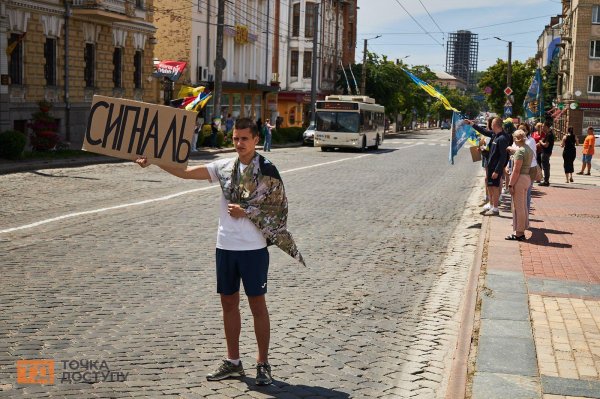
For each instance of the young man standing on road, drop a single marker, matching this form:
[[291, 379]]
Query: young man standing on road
[[497, 159], [253, 214]]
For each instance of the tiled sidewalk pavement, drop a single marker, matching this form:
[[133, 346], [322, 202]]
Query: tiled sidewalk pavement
[[540, 315]]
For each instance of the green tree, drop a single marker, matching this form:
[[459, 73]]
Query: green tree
[[495, 78], [550, 83]]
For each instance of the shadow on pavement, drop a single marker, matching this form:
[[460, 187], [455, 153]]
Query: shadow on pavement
[[540, 237], [280, 389], [62, 177]]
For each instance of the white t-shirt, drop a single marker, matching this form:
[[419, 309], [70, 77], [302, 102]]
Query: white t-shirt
[[530, 141], [234, 234]]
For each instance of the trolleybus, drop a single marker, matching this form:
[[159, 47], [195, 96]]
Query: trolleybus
[[349, 122]]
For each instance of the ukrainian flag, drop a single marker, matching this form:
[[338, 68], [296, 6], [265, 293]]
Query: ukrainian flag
[[431, 91]]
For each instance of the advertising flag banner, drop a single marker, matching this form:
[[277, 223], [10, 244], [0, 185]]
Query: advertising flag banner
[[129, 129], [533, 103]]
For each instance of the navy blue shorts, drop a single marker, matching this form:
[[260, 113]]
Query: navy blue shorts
[[251, 267], [493, 182]]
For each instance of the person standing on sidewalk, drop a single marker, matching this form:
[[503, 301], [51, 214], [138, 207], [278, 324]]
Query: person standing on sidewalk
[[530, 142], [588, 151], [568, 143], [496, 161], [267, 128], [253, 214], [518, 184], [547, 144]]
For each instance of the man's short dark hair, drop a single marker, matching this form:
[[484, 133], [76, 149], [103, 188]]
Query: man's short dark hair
[[246, 123], [548, 123]]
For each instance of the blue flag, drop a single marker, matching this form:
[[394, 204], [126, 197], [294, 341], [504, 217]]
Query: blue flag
[[533, 103], [461, 133]]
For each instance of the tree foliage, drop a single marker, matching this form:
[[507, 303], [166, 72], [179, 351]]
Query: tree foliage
[[495, 78]]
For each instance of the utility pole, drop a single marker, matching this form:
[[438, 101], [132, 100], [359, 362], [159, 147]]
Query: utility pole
[[313, 75], [509, 67], [363, 75], [67, 99], [219, 63]]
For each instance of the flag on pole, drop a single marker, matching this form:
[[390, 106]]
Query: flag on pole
[[169, 69], [533, 103], [432, 91], [461, 133]]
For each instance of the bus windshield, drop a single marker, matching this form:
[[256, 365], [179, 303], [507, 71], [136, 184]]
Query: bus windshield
[[344, 122]]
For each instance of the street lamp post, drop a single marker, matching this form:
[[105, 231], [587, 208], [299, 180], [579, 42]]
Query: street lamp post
[[363, 78], [509, 66]]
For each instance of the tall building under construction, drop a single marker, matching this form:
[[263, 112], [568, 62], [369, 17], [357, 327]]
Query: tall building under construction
[[461, 55]]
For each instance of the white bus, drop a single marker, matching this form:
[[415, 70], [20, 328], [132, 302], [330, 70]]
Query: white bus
[[349, 122]]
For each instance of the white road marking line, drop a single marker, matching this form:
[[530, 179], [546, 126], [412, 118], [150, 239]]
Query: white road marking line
[[165, 198]]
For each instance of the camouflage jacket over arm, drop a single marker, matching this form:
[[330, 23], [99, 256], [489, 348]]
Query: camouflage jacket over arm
[[260, 192]]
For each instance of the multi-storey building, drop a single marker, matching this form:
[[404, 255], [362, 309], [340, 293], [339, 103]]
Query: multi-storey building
[[336, 35], [64, 52], [461, 55], [187, 32], [579, 65], [548, 43]]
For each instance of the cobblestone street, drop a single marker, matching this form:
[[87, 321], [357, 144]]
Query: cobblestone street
[[124, 273]]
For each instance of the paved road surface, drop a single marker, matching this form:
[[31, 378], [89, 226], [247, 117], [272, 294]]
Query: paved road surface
[[98, 264]]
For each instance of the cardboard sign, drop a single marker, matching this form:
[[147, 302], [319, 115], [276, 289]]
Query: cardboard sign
[[128, 129], [475, 154]]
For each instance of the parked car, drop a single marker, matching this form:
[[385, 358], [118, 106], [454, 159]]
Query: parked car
[[445, 125], [308, 137]]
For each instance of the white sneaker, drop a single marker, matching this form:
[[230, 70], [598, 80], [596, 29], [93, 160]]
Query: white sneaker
[[487, 207]]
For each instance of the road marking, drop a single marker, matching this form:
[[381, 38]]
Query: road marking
[[165, 198]]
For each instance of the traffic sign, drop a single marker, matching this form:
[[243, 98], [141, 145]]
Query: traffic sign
[[508, 91], [507, 111]]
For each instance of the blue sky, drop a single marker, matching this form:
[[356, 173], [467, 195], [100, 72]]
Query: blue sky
[[520, 21]]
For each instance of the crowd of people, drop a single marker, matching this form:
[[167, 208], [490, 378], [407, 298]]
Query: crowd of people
[[514, 157]]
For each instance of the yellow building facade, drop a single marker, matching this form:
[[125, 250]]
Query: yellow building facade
[[66, 52]]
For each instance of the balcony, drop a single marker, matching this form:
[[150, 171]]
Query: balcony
[[110, 9]]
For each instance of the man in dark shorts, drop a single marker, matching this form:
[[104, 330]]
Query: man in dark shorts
[[497, 159], [248, 182]]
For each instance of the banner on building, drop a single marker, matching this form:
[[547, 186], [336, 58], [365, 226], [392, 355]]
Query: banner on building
[[171, 70], [129, 129]]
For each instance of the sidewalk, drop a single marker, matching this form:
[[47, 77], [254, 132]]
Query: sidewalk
[[7, 166], [539, 330]]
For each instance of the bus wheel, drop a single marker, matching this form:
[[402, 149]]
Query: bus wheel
[[364, 144], [377, 142], [324, 149]]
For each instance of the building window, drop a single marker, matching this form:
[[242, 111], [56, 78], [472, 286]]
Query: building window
[[596, 14], [139, 4], [89, 57], [198, 66], [294, 64], [118, 67], [138, 60], [15, 59], [307, 67], [50, 65], [296, 20], [594, 84], [309, 20], [595, 49]]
